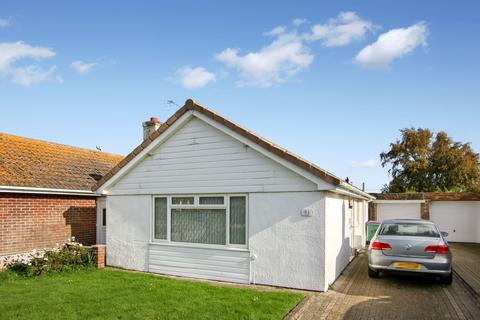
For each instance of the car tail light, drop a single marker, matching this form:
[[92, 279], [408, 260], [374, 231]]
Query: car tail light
[[376, 245], [437, 249]]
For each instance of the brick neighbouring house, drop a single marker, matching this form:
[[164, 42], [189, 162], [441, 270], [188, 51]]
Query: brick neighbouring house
[[45, 193]]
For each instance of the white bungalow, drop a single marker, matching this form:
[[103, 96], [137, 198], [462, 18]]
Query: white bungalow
[[202, 197]]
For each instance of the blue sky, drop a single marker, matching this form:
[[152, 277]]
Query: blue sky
[[331, 81]]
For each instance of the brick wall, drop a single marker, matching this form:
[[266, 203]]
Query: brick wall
[[41, 221]]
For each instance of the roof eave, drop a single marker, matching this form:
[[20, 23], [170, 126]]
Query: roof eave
[[344, 186], [53, 191]]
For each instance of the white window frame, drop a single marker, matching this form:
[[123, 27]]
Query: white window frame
[[226, 198], [197, 205], [169, 201]]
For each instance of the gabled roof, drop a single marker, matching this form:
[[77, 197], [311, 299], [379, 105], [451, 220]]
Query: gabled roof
[[34, 163], [191, 105]]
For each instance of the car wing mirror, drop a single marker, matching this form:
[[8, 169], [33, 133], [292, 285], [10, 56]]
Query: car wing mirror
[[444, 234]]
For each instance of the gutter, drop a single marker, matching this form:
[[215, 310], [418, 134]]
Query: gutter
[[30, 190], [349, 194], [398, 201], [351, 190]]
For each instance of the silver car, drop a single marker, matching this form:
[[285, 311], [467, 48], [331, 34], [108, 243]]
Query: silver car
[[412, 246]]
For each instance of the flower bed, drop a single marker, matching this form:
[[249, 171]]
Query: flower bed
[[65, 257]]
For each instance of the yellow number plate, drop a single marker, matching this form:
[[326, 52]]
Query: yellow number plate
[[407, 265]]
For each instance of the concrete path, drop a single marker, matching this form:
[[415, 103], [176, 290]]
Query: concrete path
[[356, 296]]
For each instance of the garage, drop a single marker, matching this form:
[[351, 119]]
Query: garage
[[402, 209], [461, 219]]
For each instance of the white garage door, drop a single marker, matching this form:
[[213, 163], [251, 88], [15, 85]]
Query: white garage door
[[398, 211], [461, 219]]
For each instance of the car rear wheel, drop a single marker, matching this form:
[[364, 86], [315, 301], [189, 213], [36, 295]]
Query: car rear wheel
[[448, 279], [373, 273]]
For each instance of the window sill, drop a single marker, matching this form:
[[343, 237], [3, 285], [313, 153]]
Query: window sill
[[199, 246]]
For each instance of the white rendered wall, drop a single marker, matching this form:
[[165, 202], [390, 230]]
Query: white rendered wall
[[338, 236], [128, 231], [461, 219], [129, 246], [289, 248], [398, 210]]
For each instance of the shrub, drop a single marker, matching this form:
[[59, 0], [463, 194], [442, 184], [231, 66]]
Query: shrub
[[67, 257]]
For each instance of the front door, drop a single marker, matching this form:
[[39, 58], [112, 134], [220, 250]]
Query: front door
[[101, 220]]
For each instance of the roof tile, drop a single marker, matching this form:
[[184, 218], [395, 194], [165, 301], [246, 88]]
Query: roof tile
[[34, 163]]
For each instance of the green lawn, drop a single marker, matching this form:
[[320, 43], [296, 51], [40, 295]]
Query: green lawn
[[115, 294]]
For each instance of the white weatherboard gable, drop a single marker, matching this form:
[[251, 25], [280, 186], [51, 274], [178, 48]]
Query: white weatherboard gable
[[104, 188], [322, 185], [199, 158]]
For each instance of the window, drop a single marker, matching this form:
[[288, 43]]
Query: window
[[161, 218], [409, 229], [183, 200], [237, 220], [104, 217], [209, 220], [212, 200], [199, 226]]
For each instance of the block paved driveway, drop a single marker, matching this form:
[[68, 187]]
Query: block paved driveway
[[356, 296]]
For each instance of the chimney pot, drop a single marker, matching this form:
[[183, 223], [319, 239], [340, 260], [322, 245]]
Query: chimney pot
[[150, 126]]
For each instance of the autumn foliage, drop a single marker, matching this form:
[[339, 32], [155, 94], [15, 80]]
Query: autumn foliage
[[422, 161]]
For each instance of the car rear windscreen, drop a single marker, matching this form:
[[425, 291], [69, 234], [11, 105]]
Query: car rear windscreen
[[409, 229]]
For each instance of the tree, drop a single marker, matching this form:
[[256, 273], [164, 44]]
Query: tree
[[421, 162]]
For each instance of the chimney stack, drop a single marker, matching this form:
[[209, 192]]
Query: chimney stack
[[150, 126]]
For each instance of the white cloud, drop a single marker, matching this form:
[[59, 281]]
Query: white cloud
[[276, 31], [31, 74], [194, 78], [344, 29], [81, 67], [297, 22], [364, 164], [4, 23], [277, 62], [392, 45], [12, 52]]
